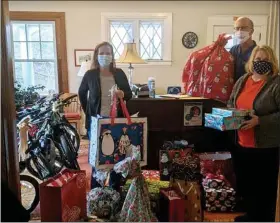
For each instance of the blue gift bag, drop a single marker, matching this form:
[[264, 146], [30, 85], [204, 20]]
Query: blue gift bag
[[112, 139]]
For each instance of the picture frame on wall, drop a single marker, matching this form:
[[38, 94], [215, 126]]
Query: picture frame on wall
[[82, 55]]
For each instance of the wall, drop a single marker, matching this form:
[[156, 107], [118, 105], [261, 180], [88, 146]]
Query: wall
[[83, 27]]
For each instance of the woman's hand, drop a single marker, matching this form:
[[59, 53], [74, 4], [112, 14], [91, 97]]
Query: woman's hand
[[254, 121], [119, 93]]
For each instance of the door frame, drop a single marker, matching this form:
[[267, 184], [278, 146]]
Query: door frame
[[9, 153], [60, 32]]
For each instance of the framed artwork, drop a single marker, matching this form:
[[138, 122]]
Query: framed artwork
[[82, 55], [193, 114]]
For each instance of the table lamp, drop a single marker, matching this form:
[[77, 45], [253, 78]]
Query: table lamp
[[85, 66], [130, 56]]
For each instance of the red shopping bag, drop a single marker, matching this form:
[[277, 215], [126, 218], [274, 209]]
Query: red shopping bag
[[209, 72], [63, 198]]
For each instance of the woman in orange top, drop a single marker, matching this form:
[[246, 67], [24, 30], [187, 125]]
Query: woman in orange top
[[256, 156]]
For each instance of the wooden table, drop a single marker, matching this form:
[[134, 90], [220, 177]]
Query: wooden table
[[165, 122]]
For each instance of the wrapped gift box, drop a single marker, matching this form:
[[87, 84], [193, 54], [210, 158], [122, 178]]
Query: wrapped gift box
[[231, 112], [151, 175], [223, 123], [172, 206], [218, 164], [180, 164], [220, 200]]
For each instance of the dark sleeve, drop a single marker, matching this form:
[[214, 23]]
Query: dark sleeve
[[124, 85], [83, 91], [272, 120]]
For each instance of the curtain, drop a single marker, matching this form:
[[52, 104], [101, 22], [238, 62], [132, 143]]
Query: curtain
[[273, 26]]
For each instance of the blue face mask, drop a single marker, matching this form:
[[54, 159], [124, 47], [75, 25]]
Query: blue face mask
[[104, 60]]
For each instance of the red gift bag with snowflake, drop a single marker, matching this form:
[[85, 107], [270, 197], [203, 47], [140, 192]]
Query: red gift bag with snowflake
[[208, 72], [63, 197]]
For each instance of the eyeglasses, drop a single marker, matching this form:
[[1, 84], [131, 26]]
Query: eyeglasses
[[241, 28]]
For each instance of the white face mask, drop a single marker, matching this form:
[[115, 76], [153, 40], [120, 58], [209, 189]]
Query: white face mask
[[241, 36]]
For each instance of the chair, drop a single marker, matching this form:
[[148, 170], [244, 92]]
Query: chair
[[72, 112]]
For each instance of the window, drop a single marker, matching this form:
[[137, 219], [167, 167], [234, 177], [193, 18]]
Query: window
[[39, 50], [152, 34], [35, 60]]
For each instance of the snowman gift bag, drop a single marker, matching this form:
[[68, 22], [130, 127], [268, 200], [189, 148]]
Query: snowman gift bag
[[112, 138]]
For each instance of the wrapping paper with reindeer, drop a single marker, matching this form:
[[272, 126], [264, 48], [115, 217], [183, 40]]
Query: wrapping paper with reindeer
[[63, 197], [112, 139], [209, 72]]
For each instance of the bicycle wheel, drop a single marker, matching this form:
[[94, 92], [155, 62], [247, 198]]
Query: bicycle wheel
[[70, 155], [29, 192], [73, 134]]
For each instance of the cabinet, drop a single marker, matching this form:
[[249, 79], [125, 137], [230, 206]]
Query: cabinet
[[224, 24]]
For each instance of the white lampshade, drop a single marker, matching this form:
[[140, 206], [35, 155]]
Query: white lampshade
[[85, 66], [130, 55]]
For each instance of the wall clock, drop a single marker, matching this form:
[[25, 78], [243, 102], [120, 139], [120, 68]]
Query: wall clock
[[190, 40]]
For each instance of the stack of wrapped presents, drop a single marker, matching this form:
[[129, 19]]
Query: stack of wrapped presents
[[180, 166], [224, 119], [218, 182]]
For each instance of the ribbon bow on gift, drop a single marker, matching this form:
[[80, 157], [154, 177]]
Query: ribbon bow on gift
[[212, 176]]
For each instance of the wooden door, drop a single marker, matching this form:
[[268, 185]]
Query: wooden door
[[9, 158]]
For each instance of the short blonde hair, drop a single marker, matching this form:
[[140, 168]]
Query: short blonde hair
[[271, 58]]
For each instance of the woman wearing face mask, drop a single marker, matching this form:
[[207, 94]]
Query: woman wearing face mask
[[95, 91], [256, 157]]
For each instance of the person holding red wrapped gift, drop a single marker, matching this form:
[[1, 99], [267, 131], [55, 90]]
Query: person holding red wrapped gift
[[256, 157], [243, 31]]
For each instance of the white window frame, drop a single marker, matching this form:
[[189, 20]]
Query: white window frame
[[136, 18], [37, 60]]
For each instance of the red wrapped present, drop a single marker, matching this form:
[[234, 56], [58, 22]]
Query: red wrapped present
[[209, 72], [63, 198], [218, 164], [151, 174], [172, 206]]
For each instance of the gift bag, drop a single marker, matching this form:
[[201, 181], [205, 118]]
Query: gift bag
[[112, 138], [63, 197], [192, 193], [172, 206], [136, 206], [209, 72], [218, 164]]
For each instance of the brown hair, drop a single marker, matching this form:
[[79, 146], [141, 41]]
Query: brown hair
[[95, 64], [271, 58]]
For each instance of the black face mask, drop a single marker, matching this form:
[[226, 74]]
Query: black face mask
[[262, 67]]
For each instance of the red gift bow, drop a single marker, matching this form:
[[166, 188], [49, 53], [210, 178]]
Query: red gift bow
[[217, 177]]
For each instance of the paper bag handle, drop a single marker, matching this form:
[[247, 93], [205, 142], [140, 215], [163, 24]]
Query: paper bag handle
[[113, 112]]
